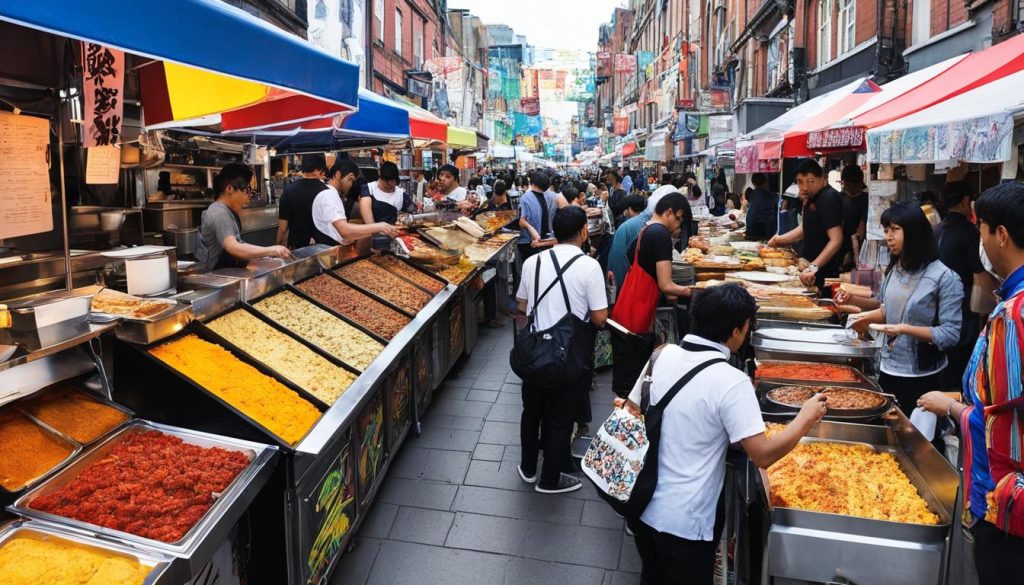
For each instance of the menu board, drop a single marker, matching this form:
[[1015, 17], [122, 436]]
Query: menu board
[[25, 199]]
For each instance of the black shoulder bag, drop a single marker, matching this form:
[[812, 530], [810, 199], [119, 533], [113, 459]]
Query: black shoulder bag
[[559, 354]]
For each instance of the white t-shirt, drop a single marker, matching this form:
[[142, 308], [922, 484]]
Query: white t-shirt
[[457, 194], [396, 199], [717, 408], [583, 282], [327, 209]]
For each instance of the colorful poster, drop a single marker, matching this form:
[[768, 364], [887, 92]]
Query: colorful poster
[[103, 90], [400, 387], [625, 63], [881, 195], [530, 106], [621, 125], [334, 513], [372, 450]]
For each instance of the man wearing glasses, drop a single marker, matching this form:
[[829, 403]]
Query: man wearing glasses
[[220, 242]]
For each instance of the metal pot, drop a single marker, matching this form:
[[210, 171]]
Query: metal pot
[[183, 239]]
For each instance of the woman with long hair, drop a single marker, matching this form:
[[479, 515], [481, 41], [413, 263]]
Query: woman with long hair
[[918, 307]]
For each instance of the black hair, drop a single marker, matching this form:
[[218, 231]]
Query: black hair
[[570, 193], [313, 162], [450, 169], [1003, 205], [717, 311], [689, 175], [919, 249], [345, 167], [389, 171], [580, 186], [759, 179], [635, 202], [474, 183], [499, 188], [672, 201], [954, 192], [540, 179], [809, 166], [568, 222], [236, 175], [678, 181], [614, 175], [852, 174]]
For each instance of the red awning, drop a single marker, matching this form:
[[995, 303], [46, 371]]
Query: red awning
[[806, 137], [628, 149]]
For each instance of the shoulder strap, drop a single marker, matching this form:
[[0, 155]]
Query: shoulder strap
[[664, 402], [559, 271], [636, 251]]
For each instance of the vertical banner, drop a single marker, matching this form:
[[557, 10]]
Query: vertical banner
[[604, 63], [103, 86]]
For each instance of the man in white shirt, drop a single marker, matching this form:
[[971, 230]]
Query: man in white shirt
[[555, 408], [448, 181], [329, 219], [675, 536]]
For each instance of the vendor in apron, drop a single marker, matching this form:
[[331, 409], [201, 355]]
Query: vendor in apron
[[329, 217], [382, 200], [220, 244]]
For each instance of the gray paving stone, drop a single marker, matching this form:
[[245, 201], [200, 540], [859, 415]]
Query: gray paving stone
[[404, 563], [456, 392], [354, 566], [488, 534], [600, 515], [512, 378], [578, 545], [485, 376], [485, 452], [629, 559], [482, 395], [510, 413], [447, 439], [500, 433], [513, 388], [493, 385], [523, 505], [457, 382], [621, 578], [501, 475], [422, 526], [378, 522], [454, 422], [510, 398], [533, 572], [431, 464], [418, 494]]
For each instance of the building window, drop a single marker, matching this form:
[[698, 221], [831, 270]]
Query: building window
[[847, 25], [398, 31], [320, 11], [345, 12], [824, 31], [773, 65], [378, 13], [921, 23], [417, 48]]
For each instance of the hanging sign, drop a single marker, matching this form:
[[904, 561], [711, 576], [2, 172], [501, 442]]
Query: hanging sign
[[849, 137], [102, 165], [625, 63], [103, 87], [25, 207]]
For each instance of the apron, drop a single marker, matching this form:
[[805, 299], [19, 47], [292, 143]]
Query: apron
[[383, 211], [641, 293]]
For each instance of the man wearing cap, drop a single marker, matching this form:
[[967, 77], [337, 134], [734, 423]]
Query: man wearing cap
[[448, 181], [295, 213]]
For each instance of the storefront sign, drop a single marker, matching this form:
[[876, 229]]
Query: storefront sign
[[621, 125], [625, 63], [103, 86], [530, 106], [851, 137], [604, 64]]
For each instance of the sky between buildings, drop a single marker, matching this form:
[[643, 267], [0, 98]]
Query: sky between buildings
[[555, 24]]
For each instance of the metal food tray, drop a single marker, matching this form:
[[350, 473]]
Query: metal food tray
[[308, 298], [334, 272], [92, 396], [151, 330], [331, 358], [295, 289], [159, 564], [419, 269], [221, 517], [206, 334], [775, 408], [76, 448], [862, 381], [930, 485]]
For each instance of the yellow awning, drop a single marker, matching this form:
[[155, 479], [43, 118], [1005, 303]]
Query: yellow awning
[[465, 137]]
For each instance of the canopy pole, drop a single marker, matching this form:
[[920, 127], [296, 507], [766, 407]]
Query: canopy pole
[[68, 277], [778, 209]]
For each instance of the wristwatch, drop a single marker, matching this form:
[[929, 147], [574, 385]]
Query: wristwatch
[[813, 268]]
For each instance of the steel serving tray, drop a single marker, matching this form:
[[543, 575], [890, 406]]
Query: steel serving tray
[[147, 331], [357, 288], [159, 564], [444, 283], [129, 414], [76, 448], [219, 519], [206, 334], [848, 414], [334, 272], [862, 380], [313, 301]]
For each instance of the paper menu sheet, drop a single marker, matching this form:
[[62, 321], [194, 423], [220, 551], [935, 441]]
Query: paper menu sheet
[[102, 165], [25, 197], [881, 195]]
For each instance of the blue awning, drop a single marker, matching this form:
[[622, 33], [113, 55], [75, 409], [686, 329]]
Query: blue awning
[[377, 116], [206, 34]]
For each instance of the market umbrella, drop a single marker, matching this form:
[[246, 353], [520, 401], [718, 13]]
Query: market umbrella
[[270, 66], [975, 126]]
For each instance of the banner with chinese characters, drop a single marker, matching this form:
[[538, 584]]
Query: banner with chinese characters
[[830, 138], [103, 88], [625, 63]]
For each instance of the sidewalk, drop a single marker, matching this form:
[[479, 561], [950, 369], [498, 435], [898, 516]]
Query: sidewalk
[[453, 510]]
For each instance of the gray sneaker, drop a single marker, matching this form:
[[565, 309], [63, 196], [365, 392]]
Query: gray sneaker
[[566, 484]]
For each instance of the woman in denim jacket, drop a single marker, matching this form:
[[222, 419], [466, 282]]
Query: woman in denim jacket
[[918, 308]]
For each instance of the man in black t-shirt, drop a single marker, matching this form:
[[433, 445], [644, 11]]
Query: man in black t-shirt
[[762, 209], [855, 214], [295, 211], [822, 230], [616, 196]]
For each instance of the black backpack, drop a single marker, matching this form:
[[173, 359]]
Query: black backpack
[[559, 354]]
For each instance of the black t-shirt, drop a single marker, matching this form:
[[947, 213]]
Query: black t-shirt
[[655, 246], [855, 210], [958, 248], [762, 217], [297, 209], [822, 213], [617, 203]]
